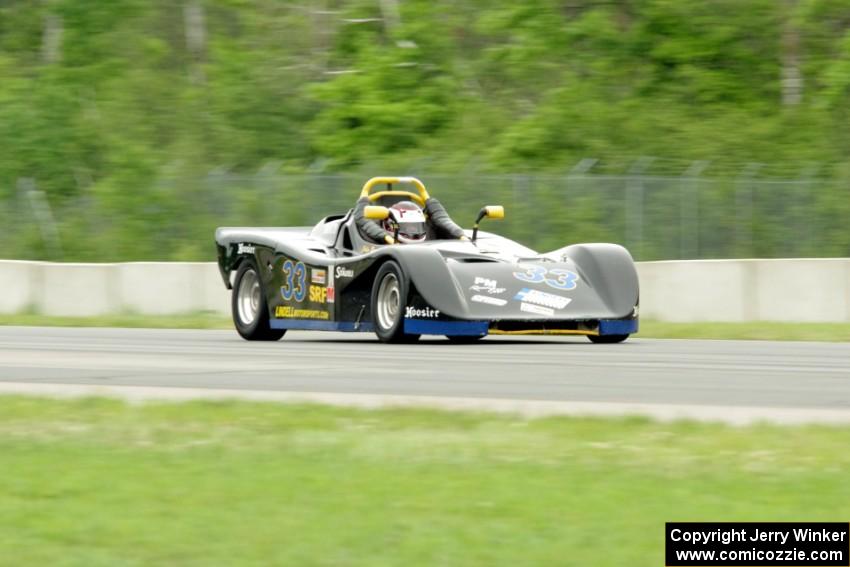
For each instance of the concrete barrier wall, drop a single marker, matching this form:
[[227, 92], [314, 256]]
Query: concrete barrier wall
[[806, 290], [84, 290], [160, 288]]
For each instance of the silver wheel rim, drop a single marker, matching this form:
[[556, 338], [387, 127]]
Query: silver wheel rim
[[248, 297], [389, 301]]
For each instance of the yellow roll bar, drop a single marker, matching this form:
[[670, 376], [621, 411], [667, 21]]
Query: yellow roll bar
[[420, 187]]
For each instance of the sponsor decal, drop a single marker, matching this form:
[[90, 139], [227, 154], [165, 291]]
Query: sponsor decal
[[482, 285], [423, 313], [318, 294], [556, 278], [536, 309], [542, 298], [342, 272], [488, 300], [245, 249], [331, 294], [318, 276], [289, 312]]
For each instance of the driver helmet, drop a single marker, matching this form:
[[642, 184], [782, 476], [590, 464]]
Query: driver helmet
[[410, 220]]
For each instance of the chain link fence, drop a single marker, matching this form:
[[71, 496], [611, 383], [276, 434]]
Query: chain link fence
[[656, 217]]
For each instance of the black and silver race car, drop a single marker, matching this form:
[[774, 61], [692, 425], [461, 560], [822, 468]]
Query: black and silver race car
[[383, 267]]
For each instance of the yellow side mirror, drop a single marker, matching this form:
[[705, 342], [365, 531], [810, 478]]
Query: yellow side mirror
[[495, 211], [490, 212], [375, 212]]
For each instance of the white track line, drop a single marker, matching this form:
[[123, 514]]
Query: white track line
[[733, 415]]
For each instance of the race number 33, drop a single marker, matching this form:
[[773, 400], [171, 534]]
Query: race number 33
[[294, 281], [557, 278]]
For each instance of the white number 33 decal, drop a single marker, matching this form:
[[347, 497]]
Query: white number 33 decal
[[559, 279]]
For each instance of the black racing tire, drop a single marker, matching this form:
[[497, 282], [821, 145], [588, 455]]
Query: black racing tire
[[389, 298], [607, 339], [464, 339], [249, 307]]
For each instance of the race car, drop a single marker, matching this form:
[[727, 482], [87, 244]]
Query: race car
[[397, 265]]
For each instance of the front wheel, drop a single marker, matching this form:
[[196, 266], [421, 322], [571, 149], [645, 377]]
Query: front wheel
[[389, 298], [248, 303], [607, 339]]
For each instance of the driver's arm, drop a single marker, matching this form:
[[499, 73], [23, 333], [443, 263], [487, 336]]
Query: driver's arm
[[369, 227], [441, 221]]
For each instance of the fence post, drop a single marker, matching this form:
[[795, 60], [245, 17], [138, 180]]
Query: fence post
[[582, 167], [634, 205], [689, 211], [266, 188], [43, 216], [522, 203], [744, 210], [807, 223], [574, 184]]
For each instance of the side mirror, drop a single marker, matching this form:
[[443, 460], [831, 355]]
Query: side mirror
[[494, 212], [375, 212], [491, 212]]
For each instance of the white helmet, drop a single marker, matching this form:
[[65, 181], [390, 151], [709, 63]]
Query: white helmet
[[410, 221]]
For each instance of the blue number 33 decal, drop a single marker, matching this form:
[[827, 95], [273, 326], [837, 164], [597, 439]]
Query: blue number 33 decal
[[294, 281], [557, 278]]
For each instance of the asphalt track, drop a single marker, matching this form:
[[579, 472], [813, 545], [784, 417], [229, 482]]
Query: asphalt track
[[719, 374]]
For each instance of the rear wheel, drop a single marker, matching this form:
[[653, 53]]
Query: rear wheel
[[248, 303], [389, 298], [607, 339]]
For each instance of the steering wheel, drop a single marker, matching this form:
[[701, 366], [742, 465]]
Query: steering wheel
[[419, 198]]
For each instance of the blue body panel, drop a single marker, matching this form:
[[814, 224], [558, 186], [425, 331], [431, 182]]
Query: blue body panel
[[451, 328], [432, 327], [618, 327], [312, 325]]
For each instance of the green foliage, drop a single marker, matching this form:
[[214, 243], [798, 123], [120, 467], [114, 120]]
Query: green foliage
[[398, 99], [122, 111]]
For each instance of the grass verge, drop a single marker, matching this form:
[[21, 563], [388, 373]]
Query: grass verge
[[836, 332], [200, 320], [759, 330], [99, 482]]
